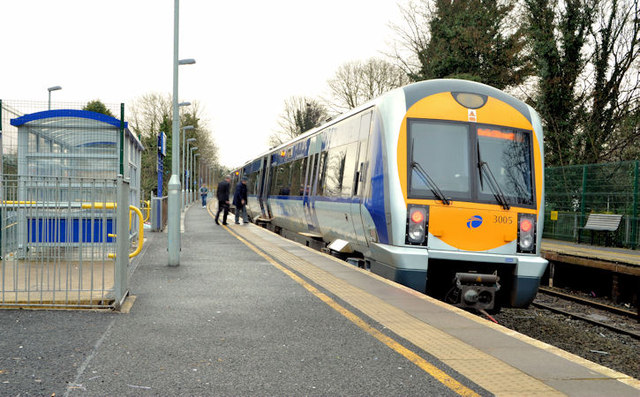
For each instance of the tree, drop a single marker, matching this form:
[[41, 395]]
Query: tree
[[150, 115], [467, 39], [588, 86], [613, 93], [558, 37], [300, 115], [412, 34], [98, 107], [358, 82]]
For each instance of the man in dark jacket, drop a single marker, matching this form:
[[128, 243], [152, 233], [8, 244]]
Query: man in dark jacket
[[223, 199], [240, 200]]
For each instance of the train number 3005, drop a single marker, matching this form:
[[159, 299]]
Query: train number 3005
[[507, 220]]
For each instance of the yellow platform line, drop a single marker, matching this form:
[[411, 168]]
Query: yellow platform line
[[423, 364], [484, 370]]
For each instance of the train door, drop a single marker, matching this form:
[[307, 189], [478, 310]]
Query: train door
[[308, 197], [271, 173], [361, 178], [262, 189]]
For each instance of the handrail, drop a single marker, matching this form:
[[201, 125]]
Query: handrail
[[147, 208], [100, 206], [108, 206], [140, 231], [133, 208]]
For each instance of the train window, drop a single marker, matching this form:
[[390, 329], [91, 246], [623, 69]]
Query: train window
[[348, 175], [322, 170], [298, 169], [442, 150], [251, 183], [311, 173], [508, 154], [334, 171], [273, 190], [282, 180]]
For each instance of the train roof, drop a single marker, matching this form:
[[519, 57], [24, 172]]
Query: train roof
[[412, 93]]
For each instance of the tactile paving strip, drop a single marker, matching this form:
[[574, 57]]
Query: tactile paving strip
[[484, 370]]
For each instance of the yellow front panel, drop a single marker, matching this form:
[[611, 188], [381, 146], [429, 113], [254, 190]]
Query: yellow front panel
[[473, 230], [451, 223], [443, 106]]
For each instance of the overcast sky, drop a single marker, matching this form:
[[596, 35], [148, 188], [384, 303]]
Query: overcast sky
[[251, 55]]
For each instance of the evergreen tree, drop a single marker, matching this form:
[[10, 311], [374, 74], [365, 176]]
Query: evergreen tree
[[469, 40], [558, 39], [98, 107]]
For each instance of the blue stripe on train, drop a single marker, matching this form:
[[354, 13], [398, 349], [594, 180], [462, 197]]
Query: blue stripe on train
[[375, 204]]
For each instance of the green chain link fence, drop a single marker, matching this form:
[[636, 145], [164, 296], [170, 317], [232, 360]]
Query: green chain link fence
[[576, 191]]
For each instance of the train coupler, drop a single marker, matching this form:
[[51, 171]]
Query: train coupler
[[477, 291]]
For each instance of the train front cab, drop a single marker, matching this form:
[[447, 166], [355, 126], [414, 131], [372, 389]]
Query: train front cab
[[469, 163]]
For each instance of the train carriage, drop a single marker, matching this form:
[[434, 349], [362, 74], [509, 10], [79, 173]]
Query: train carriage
[[437, 185]]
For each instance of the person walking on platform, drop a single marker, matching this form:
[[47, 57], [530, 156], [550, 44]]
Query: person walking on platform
[[240, 200], [223, 199], [204, 191]]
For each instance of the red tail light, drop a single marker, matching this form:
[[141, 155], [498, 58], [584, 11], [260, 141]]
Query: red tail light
[[417, 216], [526, 225], [417, 220]]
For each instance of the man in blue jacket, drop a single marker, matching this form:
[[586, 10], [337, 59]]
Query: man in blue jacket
[[223, 199], [240, 200]]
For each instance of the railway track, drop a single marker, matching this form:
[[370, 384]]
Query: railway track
[[584, 312], [589, 302]]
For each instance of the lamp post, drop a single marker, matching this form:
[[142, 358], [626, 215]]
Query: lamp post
[[173, 219], [185, 149], [190, 178], [195, 180], [182, 168], [187, 127], [54, 88]]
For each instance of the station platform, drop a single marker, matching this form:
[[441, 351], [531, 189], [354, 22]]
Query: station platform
[[250, 313], [619, 260]]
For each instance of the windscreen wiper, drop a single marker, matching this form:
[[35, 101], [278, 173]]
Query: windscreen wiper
[[429, 182], [493, 184]]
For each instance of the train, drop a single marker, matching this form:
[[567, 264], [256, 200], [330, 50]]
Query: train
[[437, 185]]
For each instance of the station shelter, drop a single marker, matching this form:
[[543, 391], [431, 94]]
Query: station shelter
[[68, 158]]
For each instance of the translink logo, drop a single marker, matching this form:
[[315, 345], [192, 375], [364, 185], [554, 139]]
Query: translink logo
[[474, 222]]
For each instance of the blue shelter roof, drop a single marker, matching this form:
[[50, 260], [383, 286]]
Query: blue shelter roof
[[86, 114]]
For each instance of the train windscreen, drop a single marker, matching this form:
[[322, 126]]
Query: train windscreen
[[507, 153], [446, 156], [441, 149]]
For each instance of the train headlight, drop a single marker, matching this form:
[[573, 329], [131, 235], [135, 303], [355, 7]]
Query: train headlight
[[417, 224], [526, 233]]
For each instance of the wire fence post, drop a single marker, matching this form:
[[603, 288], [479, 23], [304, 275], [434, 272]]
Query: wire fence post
[[121, 287], [634, 211], [122, 139], [1, 148]]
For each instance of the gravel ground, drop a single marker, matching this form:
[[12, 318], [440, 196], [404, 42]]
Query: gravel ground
[[594, 343]]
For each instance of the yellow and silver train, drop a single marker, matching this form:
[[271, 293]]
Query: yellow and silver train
[[437, 185]]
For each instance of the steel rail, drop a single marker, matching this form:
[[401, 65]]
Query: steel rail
[[619, 330], [598, 305]]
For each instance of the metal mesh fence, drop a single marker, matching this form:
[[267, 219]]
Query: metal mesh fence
[[69, 139], [56, 165], [56, 234], [574, 192]]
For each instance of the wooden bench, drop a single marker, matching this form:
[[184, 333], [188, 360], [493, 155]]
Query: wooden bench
[[601, 223]]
